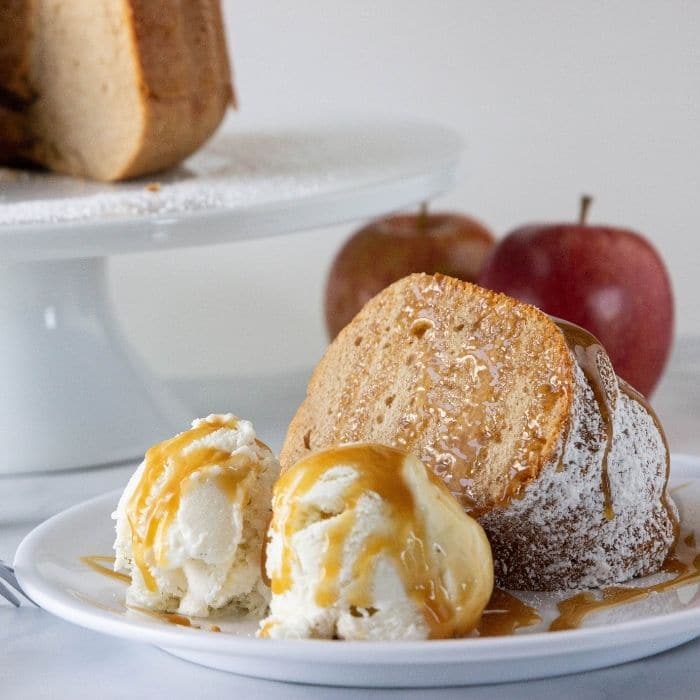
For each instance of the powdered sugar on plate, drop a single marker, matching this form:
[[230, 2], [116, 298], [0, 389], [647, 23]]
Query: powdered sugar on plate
[[234, 171]]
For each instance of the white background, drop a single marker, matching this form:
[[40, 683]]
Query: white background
[[552, 98]]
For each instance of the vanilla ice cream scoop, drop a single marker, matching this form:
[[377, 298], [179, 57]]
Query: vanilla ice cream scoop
[[192, 520], [365, 543]]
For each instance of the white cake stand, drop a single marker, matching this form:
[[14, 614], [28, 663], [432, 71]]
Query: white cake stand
[[71, 392]]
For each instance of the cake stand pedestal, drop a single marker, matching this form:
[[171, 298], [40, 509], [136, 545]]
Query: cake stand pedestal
[[72, 393]]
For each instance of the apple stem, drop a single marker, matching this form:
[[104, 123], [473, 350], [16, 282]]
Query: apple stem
[[586, 201], [423, 217]]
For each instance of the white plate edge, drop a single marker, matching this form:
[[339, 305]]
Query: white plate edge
[[540, 644]]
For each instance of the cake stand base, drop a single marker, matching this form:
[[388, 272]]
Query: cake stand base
[[72, 394]]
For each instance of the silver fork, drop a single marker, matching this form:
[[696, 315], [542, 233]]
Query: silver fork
[[7, 574]]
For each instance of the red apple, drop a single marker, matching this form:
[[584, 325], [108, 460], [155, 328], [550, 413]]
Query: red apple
[[609, 280], [388, 249]]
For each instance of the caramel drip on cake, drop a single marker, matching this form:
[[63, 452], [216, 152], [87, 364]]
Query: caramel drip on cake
[[597, 369], [379, 469], [168, 468], [97, 563], [634, 395], [600, 374], [505, 614]]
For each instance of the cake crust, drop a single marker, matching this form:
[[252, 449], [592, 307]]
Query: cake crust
[[184, 75]]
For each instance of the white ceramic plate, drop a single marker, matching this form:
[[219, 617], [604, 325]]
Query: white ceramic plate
[[49, 568]]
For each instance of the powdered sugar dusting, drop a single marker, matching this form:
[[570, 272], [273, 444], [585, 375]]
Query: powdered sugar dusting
[[235, 170], [557, 535]]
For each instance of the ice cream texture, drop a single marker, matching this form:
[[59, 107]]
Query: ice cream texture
[[191, 522], [366, 543]]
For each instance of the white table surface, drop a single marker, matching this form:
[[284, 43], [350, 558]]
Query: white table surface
[[43, 657]]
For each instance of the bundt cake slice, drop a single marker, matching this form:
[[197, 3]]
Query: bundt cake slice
[[110, 89], [521, 415]]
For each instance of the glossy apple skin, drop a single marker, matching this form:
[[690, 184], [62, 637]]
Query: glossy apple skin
[[388, 249], [611, 281]]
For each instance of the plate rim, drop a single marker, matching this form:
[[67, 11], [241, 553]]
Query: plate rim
[[60, 603]]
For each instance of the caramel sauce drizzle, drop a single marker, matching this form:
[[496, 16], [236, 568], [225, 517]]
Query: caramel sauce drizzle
[[463, 429], [265, 629], [97, 563], [156, 499], [263, 555], [170, 618], [600, 375], [574, 610], [634, 395], [379, 469], [461, 374], [466, 420], [505, 614]]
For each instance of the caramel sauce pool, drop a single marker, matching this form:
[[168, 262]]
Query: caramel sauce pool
[[97, 563], [156, 499], [170, 618], [574, 610], [379, 469], [505, 614]]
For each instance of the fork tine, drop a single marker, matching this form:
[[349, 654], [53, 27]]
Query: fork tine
[[7, 573], [6, 593]]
